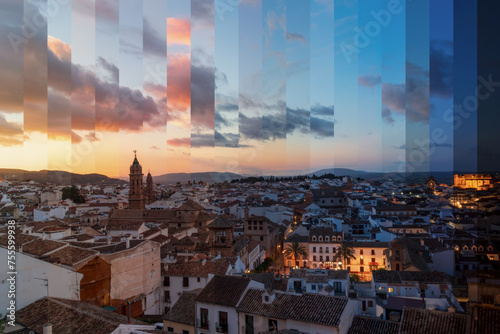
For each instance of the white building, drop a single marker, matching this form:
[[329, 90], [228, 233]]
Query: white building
[[216, 304], [32, 277]]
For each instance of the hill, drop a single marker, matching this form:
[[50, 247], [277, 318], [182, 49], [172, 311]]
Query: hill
[[209, 177], [57, 177]]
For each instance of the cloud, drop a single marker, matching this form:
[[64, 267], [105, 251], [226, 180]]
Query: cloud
[[441, 68], [154, 147], [321, 128], [110, 68], [202, 13], [179, 142], [226, 139], [277, 126], [11, 133], [153, 43], [387, 115], [296, 37], [203, 140], [178, 31], [202, 96], [369, 80], [91, 137], [321, 110]]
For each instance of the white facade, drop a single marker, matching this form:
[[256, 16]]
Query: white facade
[[44, 215], [63, 282]]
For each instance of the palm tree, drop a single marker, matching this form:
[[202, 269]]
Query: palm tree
[[296, 250], [344, 253]]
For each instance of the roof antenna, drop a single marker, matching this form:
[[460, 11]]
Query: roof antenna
[[135, 153]]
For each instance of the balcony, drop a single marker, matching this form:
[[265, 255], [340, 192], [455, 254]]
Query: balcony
[[221, 328], [202, 324]]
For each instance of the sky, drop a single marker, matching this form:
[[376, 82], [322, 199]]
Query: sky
[[254, 87]]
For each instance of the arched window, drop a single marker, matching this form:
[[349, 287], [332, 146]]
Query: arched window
[[339, 239], [481, 248], [327, 239], [320, 238], [474, 247], [490, 248], [465, 247], [314, 238], [334, 239]]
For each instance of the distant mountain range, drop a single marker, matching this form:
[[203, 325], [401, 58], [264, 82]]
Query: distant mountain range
[[205, 177], [57, 177], [62, 177]]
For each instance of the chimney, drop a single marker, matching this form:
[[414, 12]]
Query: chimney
[[109, 240], [47, 329], [43, 236], [127, 243], [451, 309]]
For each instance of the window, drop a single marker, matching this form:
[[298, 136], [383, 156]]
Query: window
[[249, 227], [170, 329], [185, 282], [321, 258], [261, 238], [314, 238], [373, 260], [327, 239], [167, 296], [166, 281], [260, 227], [339, 238], [337, 286], [321, 249], [360, 252], [373, 251], [361, 261], [248, 324], [320, 287], [198, 279], [314, 257], [362, 269], [266, 299], [327, 250], [390, 290], [320, 238], [204, 318], [272, 325], [348, 261], [327, 258], [185, 332], [289, 263], [370, 303], [313, 287], [314, 249], [222, 325]]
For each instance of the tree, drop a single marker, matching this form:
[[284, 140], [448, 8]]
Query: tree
[[296, 250], [344, 253], [73, 193]]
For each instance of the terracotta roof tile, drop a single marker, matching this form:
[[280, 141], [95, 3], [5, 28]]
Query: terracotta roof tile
[[311, 308], [184, 310], [370, 325], [70, 317], [422, 321], [224, 290]]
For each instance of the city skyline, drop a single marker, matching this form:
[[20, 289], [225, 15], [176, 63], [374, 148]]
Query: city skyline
[[249, 87]]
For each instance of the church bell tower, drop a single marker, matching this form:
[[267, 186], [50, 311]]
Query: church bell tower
[[136, 198]]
